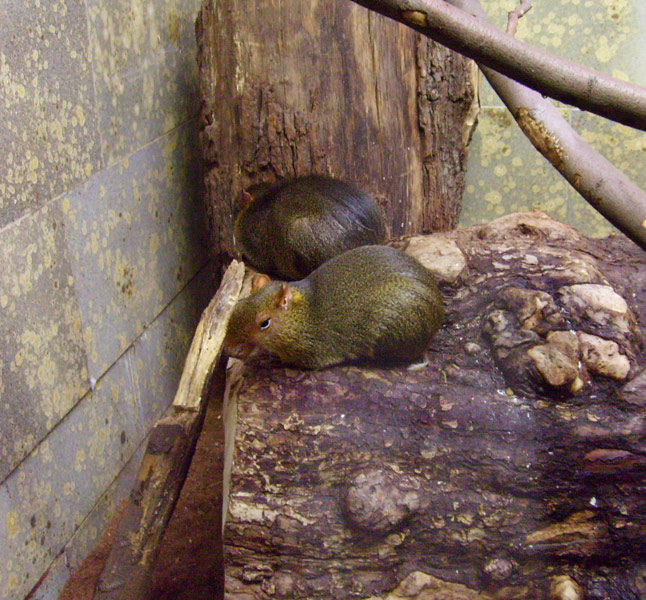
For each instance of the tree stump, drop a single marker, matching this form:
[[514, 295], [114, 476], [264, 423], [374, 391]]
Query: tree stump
[[328, 87], [512, 467]]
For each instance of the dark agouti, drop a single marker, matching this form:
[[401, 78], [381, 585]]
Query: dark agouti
[[373, 303], [290, 228]]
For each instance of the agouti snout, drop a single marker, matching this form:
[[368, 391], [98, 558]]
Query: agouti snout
[[290, 228], [372, 303]]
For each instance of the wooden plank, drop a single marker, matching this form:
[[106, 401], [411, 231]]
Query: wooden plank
[[207, 341], [168, 455]]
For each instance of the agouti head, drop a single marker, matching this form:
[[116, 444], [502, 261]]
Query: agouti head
[[262, 320]]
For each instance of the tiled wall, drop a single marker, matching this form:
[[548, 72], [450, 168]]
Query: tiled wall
[[102, 264], [505, 172], [103, 272]]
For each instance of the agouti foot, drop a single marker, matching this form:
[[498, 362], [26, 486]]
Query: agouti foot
[[418, 366]]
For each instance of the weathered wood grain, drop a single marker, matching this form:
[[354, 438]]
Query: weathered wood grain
[[290, 88]]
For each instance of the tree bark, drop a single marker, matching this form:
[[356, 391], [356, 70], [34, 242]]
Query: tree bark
[[512, 467], [329, 87]]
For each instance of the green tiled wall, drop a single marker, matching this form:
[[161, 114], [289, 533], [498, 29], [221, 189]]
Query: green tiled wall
[[48, 129], [505, 173], [43, 366], [143, 55], [103, 270], [126, 257]]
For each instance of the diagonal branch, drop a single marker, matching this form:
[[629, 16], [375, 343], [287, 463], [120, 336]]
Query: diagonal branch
[[604, 186], [515, 15], [553, 76]]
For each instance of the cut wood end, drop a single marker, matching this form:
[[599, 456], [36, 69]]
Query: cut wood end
[[208, 340], [415, 18]]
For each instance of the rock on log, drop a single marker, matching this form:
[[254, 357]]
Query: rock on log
[[513, 466]]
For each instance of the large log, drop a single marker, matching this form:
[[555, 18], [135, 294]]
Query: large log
[[512, 467], [325, 86]]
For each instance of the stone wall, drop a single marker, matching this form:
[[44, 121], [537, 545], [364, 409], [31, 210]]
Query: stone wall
[[103, 271]]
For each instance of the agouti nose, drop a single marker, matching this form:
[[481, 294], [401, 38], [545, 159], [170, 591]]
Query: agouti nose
[[241, 351]]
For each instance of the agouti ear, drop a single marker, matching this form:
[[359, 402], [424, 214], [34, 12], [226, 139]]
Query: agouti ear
[[284, 297], [245, 200], [259, 281]]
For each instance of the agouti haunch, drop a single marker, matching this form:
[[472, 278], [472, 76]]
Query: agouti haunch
[[373, 303], [290, 228]]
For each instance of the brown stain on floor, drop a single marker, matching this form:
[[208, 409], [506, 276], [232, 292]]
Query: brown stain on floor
[[189, 563]]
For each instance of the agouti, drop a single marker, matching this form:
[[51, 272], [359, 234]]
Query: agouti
[[373, 303], [290, 228]]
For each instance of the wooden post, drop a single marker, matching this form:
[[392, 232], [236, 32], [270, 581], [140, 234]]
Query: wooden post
[[325, 86]]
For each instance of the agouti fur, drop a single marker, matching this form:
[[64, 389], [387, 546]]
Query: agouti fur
[[290, 228], [373, 303]]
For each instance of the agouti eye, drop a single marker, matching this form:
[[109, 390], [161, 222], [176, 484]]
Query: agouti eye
[[265, 324]]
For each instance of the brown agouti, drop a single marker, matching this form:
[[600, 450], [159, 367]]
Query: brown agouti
[[373, 303], [290, 228]]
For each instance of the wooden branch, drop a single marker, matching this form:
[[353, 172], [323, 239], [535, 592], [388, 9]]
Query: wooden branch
[[551, 75], [515, 15], [600, 183], [168, 455]]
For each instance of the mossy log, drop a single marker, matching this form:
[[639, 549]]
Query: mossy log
[[512, 466]]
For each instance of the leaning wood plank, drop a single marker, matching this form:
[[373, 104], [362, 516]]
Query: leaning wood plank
[[207, 341], [168, 455]]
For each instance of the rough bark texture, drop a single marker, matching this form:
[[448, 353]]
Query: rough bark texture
[[325, 86], [447, 114], [513, 466]]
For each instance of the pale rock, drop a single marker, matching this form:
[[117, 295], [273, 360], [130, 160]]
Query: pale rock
[[603, 357], [438, 254]]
